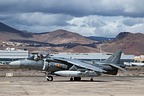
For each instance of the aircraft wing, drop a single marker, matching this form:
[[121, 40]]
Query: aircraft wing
[[81, 64]]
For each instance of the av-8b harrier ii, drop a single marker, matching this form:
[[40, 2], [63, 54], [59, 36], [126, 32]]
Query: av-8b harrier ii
[[73, 68]]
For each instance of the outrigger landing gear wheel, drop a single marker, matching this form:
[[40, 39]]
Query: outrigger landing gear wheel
[[71, 79], [49, 78], [91, 79]]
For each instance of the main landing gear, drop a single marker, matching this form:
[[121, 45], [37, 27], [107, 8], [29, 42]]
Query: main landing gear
[[78, 79], [75, 79], [91, 79]]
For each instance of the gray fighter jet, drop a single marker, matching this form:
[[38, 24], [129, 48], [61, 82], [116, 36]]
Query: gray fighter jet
[[73, 68]]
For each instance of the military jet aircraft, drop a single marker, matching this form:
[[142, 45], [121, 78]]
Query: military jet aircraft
[[73, 68]]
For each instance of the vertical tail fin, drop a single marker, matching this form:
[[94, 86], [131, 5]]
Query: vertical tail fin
[[115, 58]]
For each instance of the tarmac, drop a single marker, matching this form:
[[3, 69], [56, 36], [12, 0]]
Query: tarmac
[[33, 83], [61, 86]]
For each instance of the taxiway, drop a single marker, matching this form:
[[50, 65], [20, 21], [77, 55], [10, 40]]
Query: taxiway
[[61, 86]]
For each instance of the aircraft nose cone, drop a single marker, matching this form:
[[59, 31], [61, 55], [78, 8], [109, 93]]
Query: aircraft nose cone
[[15, 63]]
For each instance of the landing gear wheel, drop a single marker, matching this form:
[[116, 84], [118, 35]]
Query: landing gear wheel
[[91, 79], [49, 78], [77, 78], [71, 79]]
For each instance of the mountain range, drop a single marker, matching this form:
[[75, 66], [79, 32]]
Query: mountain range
[[65, 41], [55, 37]]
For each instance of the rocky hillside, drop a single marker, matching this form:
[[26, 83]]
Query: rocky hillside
[[61, 37], [7, 30], [131, 43]]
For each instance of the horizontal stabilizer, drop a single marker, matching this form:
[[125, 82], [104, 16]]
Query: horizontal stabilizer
[[118, 67]]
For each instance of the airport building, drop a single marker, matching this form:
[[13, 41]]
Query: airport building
[[12, 54], [93, 56], [139, 58]]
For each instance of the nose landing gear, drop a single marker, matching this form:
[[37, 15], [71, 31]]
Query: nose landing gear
[[49, 78]]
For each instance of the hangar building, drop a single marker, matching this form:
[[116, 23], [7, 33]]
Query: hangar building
[[11, 54]]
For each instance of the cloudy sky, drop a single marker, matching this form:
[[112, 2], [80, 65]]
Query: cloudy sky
[[86, 17]]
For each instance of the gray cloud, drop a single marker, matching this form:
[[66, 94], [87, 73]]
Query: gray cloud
[[43, 19], [132, 8], [87, 17], [22, 21], [132, 22]]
